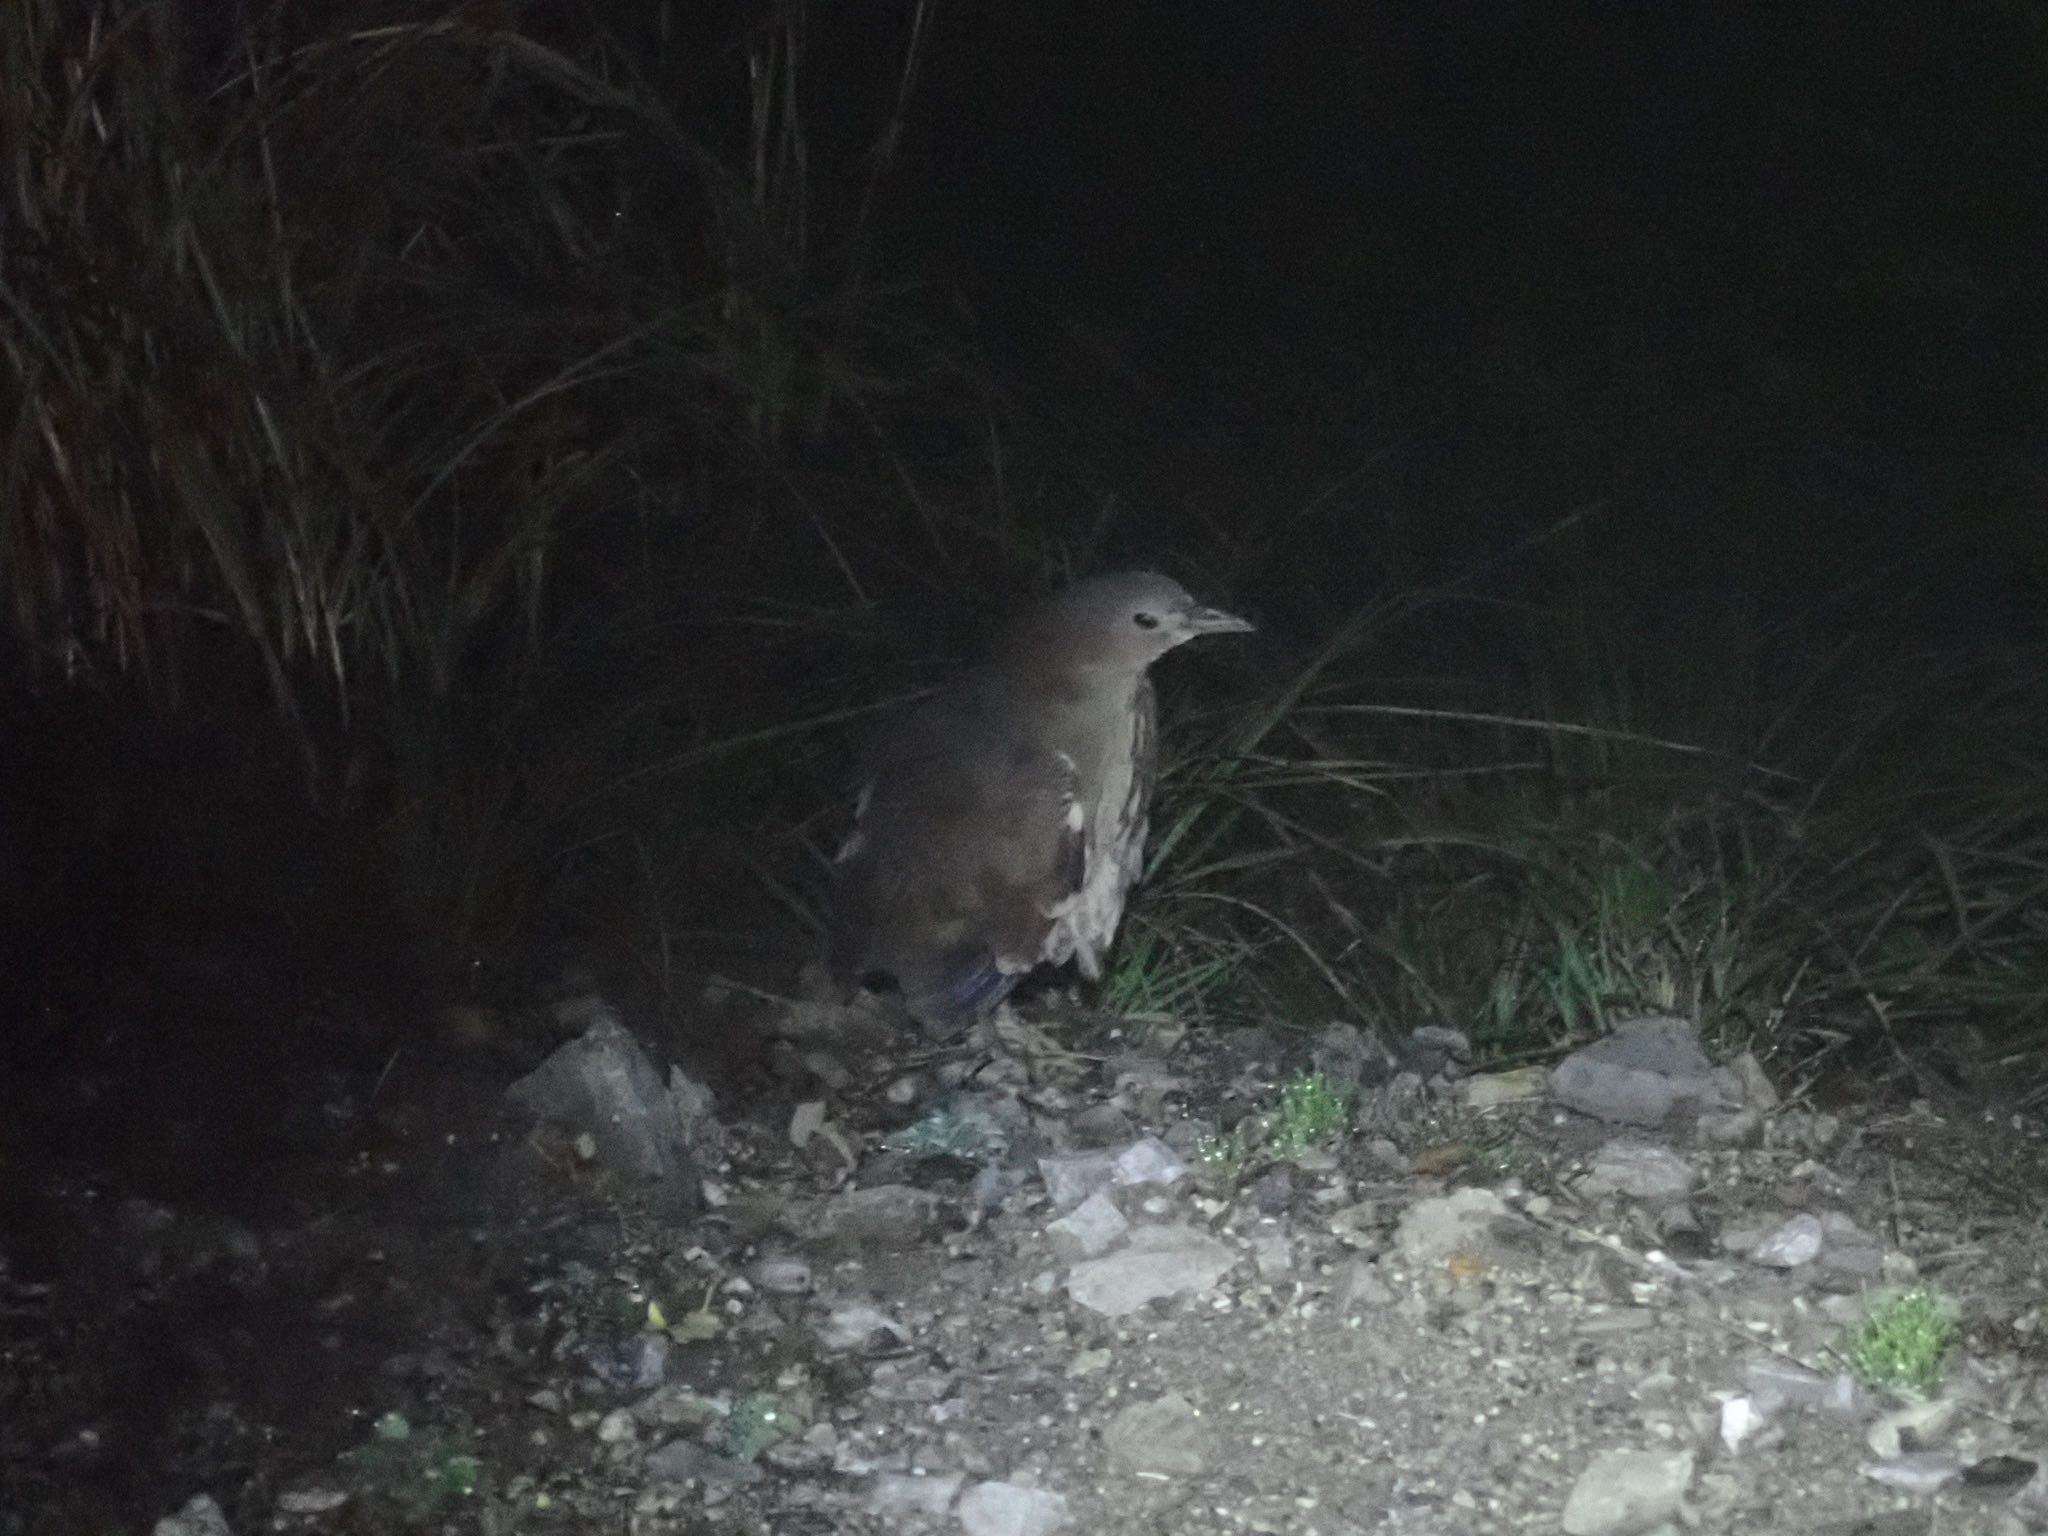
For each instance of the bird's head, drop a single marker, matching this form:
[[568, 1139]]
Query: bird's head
[[1123, 622]]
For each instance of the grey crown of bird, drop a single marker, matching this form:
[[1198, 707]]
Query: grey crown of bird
[[1002, 820]]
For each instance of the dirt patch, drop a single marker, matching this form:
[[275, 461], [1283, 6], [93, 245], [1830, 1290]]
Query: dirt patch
[[453, 1320]]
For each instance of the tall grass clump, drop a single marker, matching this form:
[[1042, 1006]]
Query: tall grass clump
[[506, 399], [1834, 853]]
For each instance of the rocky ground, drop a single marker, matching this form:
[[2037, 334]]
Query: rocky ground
[[1069, 1274]]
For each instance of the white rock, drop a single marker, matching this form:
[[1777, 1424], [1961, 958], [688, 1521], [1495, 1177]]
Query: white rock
[[201, 1516], [1627, 1493], [1160, 1261], [1795, 1243], [1010, 1509]]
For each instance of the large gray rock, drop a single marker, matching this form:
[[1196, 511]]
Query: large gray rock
[[1160, 1261], [602, 1085], [1642, 1073]]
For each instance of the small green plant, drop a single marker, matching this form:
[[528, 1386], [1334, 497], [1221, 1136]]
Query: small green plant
[[1223, 1154], [761, 1419], [1311, 1112], [1903, 1341]]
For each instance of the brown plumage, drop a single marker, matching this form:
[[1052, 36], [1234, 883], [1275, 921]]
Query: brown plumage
[[1002, 820]]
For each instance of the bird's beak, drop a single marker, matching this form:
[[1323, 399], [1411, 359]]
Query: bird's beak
[[1214, 621]]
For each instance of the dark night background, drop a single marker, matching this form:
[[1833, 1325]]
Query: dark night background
[[1765, 280], [463, 487]]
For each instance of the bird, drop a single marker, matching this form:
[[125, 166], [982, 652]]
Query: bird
[[1000, 822]]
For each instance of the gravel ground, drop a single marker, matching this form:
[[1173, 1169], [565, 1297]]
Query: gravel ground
[[1442, 1319]]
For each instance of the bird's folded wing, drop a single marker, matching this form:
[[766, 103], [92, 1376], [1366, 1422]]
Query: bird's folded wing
[[969, 838]]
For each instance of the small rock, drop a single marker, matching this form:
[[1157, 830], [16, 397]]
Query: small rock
[[896, 1494], [1627, 1493], [1273, 1192], [1855, 1262], [780, 1274], [1732, 1128], [1089, 1229], [1758, 1091], [1783, 1384], [2000, 1474], [992, 1187], [1491, 1090], [1380, 1152], [1101, 1125], [858, 1325], [1804, 1129], [311, 1499], [1679, 1229], [1917, 1472], [1148, 1160], [1641, 1170], [1360, 1289], [1640, 1074], [1346, 1058], [909, 1381], [676, 1406], [1434, 1230], [685, 1461], [1165, 1436], [1143, 1076], [1090, 1362], [601, 1085], [1436, 1048], [1072, 1177], [1010, 1509], [885, 1218], [1914, 1427], [1840, 1229], [1893, 1522], [201, 1516], [1741, 1417], [85, 1446], [1795, 1243], [638, 1364], [1273, 1254], [1160, 1261], [1742, 1237]]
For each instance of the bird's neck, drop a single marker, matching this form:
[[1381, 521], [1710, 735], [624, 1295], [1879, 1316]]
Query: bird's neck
[[1080, 683]]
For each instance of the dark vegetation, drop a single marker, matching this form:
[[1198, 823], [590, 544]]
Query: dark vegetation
[[465, 472]]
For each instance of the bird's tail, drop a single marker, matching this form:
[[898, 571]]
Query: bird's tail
[[949, 994]]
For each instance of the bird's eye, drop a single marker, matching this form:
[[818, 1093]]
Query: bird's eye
[[1145, 620]]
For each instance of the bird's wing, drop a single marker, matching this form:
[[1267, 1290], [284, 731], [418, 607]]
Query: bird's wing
[[1118, 739], [1144, 768], [969, 836]]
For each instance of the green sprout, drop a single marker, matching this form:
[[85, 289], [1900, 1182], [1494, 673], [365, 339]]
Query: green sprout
[[1310, 1113], [760, 1419], [1222, 1153], [1901, 1343]]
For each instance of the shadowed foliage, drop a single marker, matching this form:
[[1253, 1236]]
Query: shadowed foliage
[[512, 425]]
